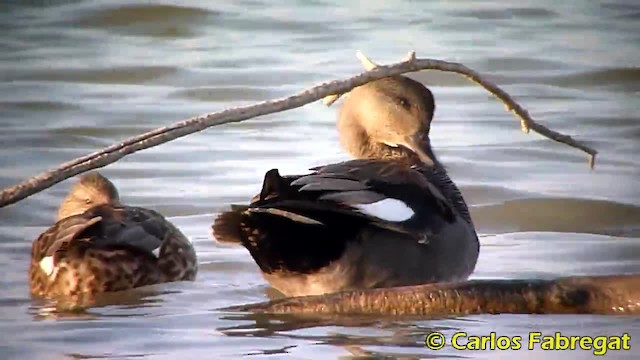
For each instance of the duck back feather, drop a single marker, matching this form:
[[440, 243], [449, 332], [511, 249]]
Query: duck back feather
[[303, 224], [109, 247]]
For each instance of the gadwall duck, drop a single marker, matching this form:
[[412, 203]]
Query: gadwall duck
[[99, 245], [392, 217]]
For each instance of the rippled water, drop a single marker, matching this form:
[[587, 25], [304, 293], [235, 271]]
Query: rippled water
[[76, 76]]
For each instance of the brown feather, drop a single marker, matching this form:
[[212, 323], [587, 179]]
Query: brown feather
[[107, 247]]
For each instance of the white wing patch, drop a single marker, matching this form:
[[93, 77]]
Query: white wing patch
[[46, 264], [387, 209]]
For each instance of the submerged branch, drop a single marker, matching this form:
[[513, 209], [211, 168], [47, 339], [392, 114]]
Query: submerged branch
[[615, 294], [162, 135]]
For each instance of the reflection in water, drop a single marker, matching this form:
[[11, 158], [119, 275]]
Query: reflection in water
[[79, 75], [135, 300], [362, 331]]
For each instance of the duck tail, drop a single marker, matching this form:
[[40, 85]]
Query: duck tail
[[284, 231], [227, 226]]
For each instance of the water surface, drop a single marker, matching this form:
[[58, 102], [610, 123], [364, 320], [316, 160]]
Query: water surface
[[76, 76]]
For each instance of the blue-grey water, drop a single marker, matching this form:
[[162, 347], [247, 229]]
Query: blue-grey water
[[76, 76]]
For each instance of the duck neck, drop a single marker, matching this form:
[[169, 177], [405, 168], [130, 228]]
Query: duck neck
[[66, 211], [357, 143]]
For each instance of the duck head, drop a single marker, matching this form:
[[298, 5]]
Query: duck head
[[90, 190], [388, 118]]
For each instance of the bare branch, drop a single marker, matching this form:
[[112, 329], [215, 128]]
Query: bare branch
[[526, 122], [368, 65], [162, 135]]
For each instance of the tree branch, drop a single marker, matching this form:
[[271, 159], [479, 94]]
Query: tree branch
[[162, 135], [526, 122]]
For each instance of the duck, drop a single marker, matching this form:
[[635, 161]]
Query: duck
[[99, 245], [389, 217]]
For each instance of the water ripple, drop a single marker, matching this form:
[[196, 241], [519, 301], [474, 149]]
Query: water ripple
[[79, 75], [166, 21]]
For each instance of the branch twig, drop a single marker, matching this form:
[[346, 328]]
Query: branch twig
[[162, 135], [526, 122], [368, 65]]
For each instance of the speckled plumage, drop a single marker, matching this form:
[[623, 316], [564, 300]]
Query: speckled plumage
[[99, 245]]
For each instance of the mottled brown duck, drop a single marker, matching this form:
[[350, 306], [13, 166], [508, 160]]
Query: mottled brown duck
[[390, 217], [99, 245]]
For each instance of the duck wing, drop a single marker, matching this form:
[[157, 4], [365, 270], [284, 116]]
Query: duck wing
[[106, 226], [346, 196], [302, 223], [388, 194]]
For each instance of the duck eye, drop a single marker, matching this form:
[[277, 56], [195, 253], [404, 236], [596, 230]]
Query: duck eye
[[404, 103]]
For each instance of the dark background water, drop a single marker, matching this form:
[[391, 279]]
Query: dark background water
[[76, 76]]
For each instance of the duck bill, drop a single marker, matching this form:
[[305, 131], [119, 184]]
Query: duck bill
[[421, 146]]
